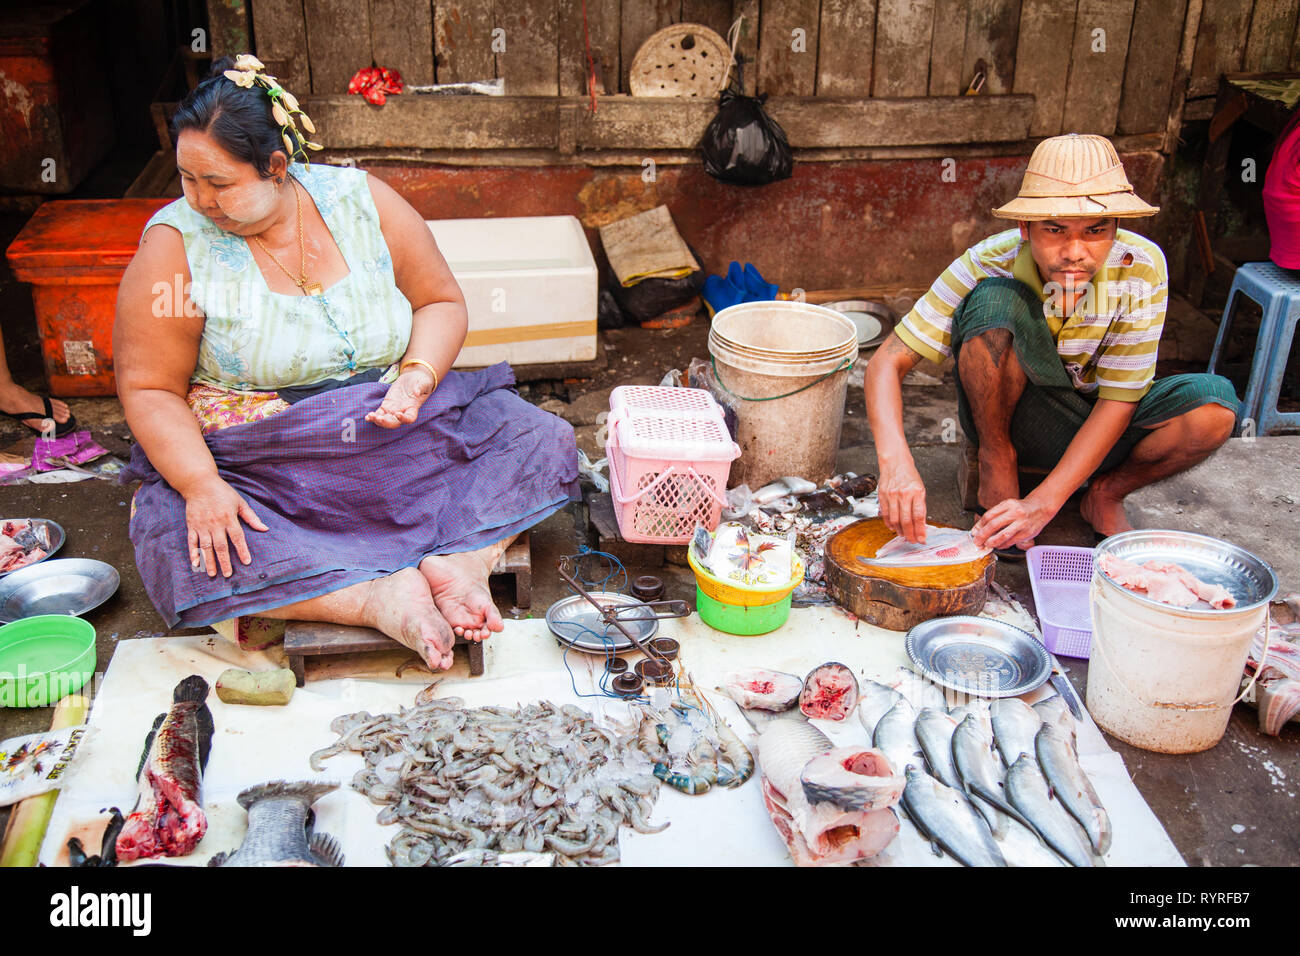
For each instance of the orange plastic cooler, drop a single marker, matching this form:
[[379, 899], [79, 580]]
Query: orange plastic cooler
[[73, 252]]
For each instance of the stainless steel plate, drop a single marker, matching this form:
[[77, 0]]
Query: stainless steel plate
[[978, 656], [873, 320], [56, 535], [577, 624], [63, 586], [1247, 578]]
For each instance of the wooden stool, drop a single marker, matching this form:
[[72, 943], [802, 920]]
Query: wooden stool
[[517, 560], [303, 639]]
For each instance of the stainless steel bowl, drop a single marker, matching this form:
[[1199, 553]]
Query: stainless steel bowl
[[978, 656], [56, 535], [578, 625], [1248, 579], [63, 586]]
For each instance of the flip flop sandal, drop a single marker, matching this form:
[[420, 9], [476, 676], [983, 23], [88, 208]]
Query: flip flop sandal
[[59, 429]]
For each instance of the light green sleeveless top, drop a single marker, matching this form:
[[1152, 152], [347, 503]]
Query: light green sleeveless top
[[258, 340]]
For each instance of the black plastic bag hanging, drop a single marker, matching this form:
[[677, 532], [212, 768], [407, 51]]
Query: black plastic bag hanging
[[744, 145]]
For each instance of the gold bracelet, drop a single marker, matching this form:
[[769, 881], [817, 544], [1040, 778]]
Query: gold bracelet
[[402, 370]]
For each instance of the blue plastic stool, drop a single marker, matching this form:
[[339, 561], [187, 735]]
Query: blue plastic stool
[[1277, 291]]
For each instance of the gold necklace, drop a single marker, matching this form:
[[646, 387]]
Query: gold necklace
[[308, 288]]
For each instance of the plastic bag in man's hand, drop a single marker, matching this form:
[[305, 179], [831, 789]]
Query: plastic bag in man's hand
[[745, 146]]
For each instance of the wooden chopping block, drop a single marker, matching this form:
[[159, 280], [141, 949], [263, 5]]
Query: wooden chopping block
[[900, 598]]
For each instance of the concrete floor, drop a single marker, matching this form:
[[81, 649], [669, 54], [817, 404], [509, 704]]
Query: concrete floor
[[1229, 806]]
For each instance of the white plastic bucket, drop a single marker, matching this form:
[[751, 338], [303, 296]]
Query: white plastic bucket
[[1165, 679], [785, 368]]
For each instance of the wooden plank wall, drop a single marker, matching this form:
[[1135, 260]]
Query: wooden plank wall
[[1105, 66]]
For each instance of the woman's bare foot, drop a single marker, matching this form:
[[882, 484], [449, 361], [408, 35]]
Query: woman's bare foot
[[402, 606], [459, 584], [16, 399], [1103, 511]]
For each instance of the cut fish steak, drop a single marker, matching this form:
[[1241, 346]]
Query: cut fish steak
[[830, 692], [815, 833], [852, 778], [757, 688]]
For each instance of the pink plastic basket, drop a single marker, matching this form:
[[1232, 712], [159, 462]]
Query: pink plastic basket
[[1060, 578], [669, 455]]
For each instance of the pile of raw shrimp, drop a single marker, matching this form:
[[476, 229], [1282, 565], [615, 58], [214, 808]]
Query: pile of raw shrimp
[[538, 779]]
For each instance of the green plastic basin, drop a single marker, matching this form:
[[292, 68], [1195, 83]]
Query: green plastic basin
[[44, 658], [737, 619]]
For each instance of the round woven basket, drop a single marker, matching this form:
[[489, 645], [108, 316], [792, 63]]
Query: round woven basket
[[685, 59]]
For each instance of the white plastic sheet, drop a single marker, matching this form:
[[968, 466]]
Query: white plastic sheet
[[258, 744]]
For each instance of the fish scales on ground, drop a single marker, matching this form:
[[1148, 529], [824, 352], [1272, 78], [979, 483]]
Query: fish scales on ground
[[821, 833], [1028, 792], [168, 818], [830, 692], [540, 778], [281, 828], [1070, 785], [758, 688], [874, 701], [945, 818]]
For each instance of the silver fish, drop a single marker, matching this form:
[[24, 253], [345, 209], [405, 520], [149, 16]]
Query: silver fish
[[1060, 763], [895, 736], [934, 730], [1021, 847], [1054, 710], [946, 819], [784, 749], [874, 702], [978, 709], [981, 773], [280, 828], [1014, 725], [919, 691], [1028, 793]]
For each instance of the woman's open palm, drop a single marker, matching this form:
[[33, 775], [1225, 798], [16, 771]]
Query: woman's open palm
[[401, 405]]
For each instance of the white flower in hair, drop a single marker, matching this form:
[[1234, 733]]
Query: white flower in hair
[[240, 78], [246, 61]]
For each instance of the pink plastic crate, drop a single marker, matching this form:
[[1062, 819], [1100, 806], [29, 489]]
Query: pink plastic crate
[[1060, 578], [669, 455]]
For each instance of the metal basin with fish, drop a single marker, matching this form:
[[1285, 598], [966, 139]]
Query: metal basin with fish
[[1247, 578], [979, 656], [63, 586], [576, 624], [51, 531]]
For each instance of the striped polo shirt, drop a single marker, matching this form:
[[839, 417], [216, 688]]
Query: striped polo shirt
[[1108, 345]]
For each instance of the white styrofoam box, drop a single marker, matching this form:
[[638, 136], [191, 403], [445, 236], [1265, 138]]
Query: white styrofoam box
[[529, 284]]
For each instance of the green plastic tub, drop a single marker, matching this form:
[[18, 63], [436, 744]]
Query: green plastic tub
[[745, 621], [44, 658]]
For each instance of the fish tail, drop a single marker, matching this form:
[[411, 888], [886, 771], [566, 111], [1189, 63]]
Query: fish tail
[[309, 791], [193, 688]]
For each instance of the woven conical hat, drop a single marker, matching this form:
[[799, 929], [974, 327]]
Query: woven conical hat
[[1075, 177]]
